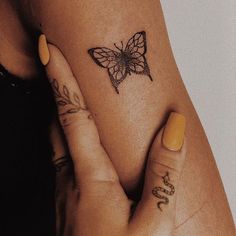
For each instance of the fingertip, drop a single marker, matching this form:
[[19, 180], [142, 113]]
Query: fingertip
[[59, 69], [43, 50], [49, 54], [171, 136], [168, 151], [56, 57], [174, 131]]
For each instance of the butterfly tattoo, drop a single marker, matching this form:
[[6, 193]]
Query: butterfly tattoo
[[125, 61]]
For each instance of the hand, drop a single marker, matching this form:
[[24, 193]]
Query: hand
[[96, 203]]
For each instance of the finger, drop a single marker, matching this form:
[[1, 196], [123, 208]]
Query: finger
[[164, 166], [64, 174], [90, 160], [97, 181], [60, 155]]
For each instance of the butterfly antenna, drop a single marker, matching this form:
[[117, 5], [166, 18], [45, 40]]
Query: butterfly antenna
[[117, 47], [122, 45]]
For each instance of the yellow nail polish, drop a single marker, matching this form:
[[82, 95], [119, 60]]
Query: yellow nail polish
[[173, 136], [43, 50]]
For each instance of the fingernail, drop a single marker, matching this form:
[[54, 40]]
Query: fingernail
[[43, 50], [173, 136]]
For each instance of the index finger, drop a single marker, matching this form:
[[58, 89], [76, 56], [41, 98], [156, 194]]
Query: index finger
[[90, 160]]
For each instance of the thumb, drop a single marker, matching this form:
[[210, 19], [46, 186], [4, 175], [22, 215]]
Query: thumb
[[163, 170]]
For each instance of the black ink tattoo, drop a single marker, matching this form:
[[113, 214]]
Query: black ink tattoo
[[62, 162], [71, 103], [129, 60], [156, 191]]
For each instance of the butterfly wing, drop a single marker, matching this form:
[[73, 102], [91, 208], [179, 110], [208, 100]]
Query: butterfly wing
[[137, 43], [104, 57], [136, 49], [111, 60], [117, 74]]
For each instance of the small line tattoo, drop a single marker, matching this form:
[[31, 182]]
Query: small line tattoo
[[125, 61], [65, 99], [62, 162], [156, 191]]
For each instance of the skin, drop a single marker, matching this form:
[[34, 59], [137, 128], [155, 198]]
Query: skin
[[141, 107], [94, 191], [15, 44]]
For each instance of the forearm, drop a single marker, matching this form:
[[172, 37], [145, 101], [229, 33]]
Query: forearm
[[128, 121], [141, 104]]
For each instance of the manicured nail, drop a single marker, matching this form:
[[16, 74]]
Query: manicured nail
[[43, 50], [173, 136]]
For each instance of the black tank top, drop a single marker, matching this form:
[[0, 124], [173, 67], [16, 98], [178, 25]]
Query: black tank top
[[26, 173]]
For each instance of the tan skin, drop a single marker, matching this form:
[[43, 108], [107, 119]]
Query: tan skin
[[141, 107], [95, 202], [14, 51]]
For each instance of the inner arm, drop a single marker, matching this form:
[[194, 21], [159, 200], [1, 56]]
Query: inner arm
[[128, 121]]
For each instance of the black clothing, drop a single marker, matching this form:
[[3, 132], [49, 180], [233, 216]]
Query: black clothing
[[26, 173]]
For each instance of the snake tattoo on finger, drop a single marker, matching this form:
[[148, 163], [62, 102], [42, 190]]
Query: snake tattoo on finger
[[156, 191]]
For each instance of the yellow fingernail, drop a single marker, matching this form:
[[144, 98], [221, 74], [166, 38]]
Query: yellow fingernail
[[44, 54], [173, 136]]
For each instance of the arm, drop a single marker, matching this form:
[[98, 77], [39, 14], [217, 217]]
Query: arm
[[127, 122], [92, 192]]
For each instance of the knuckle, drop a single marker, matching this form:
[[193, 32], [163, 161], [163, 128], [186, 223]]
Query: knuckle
[[65, 121], [100, 176], [172, 160], [99, 187], [159, 168], [79, 118]]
